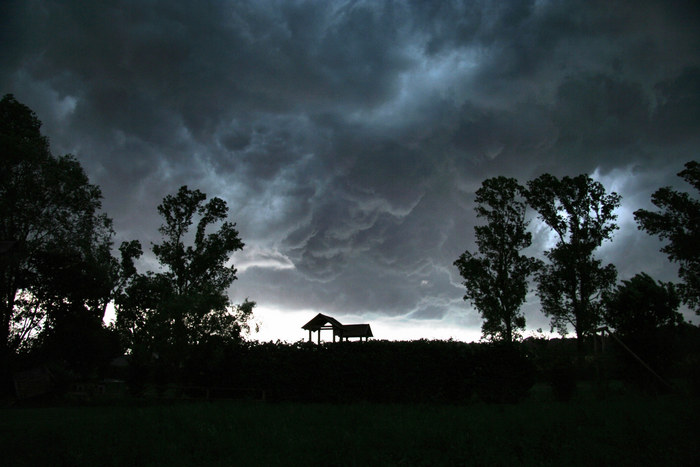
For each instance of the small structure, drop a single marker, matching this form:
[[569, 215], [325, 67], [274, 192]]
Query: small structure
[[343, 331]]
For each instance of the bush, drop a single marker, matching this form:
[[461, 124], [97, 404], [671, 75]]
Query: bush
[[562, 380], [657, 351], [376, 371], [503, 374]]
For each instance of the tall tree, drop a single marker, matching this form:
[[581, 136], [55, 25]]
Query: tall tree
[[187, 302], [496, 277], [678, 222], [57, 260], [571, 285]]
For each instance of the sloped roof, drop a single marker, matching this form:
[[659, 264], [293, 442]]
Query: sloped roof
[[321, 320], [355, 330]]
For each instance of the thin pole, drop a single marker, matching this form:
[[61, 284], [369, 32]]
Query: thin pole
[[637, 358]]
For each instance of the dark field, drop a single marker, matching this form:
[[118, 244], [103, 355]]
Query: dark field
[[620, 430]]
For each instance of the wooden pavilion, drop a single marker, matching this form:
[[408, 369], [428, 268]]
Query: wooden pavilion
[[343, 331]]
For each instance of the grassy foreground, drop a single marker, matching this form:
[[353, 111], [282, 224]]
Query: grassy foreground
[[629, 431]]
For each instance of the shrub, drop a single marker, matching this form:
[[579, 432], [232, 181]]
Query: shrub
[[562, 379], [503, 374]]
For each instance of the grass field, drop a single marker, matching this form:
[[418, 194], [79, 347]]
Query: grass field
[[616, 431]]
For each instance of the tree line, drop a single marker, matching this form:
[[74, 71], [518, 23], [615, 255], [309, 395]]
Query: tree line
[[58, 272], [575, 288]]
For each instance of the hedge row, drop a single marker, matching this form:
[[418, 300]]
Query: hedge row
[[375, 371]]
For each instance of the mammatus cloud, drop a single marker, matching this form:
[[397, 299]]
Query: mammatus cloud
[[348, 137]]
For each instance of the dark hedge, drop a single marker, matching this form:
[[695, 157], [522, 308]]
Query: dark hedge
[[375, 371]]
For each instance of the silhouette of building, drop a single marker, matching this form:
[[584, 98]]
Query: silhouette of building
[[344, 331]]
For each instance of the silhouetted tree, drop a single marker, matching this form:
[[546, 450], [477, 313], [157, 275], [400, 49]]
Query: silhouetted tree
[[582, 215], [679, 223], [641, 305], [496, 277], [59, 264], [187, 303], [644, 313]]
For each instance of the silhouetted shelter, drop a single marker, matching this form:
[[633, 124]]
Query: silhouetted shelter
[[355, 330], [343, 331]]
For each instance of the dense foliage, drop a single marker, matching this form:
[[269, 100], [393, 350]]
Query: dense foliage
[[186, 304], [56, 271], [571, 285], [378, 371], [678, 222], [496, 278], [419, 371], [641, 305]]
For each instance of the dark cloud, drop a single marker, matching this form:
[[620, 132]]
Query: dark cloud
[[674, 118], [348, 137]]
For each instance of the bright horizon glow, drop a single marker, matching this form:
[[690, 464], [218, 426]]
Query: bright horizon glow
[[286, 326]]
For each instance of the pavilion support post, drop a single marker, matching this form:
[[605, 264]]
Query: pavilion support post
[[318, 340], [310, 338]]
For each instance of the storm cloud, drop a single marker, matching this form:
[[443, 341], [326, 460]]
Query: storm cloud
[[349, 137]]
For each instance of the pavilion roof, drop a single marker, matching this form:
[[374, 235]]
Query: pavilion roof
[[321, 320], [355, 330]]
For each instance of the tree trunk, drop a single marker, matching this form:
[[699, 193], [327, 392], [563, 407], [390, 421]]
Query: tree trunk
[[580, 347]]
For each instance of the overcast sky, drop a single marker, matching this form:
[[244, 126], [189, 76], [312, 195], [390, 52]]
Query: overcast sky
[[348, 138]]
